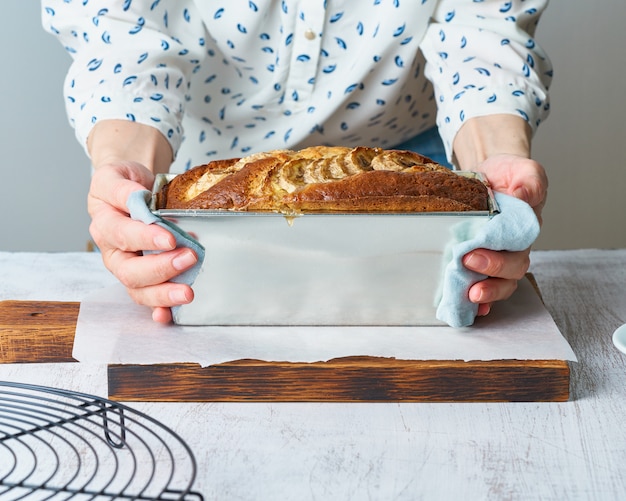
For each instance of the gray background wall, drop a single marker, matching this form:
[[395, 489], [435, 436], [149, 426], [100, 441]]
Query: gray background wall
[[44, 173]]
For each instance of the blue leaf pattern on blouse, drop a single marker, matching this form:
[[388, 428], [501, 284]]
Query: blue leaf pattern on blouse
[[224, 78]]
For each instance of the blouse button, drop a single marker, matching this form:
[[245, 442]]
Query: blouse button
[[309, 34]]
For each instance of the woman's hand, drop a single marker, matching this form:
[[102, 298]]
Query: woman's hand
[[499, 147], [125, 156], [524, 179], [121, 240]]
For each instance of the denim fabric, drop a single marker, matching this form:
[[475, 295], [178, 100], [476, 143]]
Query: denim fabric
[[429, 144]]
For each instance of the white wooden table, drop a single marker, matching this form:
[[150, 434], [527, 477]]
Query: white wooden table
[[512, 451]]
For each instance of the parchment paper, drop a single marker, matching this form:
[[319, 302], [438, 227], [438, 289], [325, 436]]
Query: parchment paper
[[111, 329]]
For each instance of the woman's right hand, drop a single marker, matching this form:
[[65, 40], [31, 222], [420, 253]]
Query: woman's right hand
[[121, 241]]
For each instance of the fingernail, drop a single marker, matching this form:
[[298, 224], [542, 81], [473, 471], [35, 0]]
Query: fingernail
[[162, 242], [476, 261], [178, 296], [476, 295], [184, 260]]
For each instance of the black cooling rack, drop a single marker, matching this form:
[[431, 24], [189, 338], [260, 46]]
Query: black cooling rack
[[57, 444]]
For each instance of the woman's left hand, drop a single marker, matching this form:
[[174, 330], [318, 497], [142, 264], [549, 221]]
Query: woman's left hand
[[522, 178]]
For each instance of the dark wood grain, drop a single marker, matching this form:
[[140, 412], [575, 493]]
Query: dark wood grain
[[352, 379], [37, 331], [33, 332]]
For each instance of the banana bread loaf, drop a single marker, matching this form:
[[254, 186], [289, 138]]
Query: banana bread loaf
[[325, 179]]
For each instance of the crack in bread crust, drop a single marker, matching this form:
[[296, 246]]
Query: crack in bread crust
[[325, 179]]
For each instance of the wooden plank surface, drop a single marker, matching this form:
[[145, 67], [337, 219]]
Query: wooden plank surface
[[44, 332], [352, 379], [36, 331]]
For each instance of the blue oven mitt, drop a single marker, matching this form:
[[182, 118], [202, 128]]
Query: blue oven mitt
[[515, 228], [139, 210]]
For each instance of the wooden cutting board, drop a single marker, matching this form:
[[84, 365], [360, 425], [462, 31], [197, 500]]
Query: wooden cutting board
[[37, 332]]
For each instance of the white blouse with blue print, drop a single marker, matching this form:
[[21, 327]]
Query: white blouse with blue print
[[238, 76]]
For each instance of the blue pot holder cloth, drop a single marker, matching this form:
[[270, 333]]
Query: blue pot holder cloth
[[514, 228], [138, 207]]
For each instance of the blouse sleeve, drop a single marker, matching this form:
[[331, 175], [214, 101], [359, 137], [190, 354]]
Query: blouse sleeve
[[483, 59], [131, 60]]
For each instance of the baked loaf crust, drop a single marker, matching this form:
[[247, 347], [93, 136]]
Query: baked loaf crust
[[325, 179]]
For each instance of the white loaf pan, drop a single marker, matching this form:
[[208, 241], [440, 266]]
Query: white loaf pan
[[319, 269]]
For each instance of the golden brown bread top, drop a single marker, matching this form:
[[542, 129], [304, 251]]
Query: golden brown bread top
[[325, 179]]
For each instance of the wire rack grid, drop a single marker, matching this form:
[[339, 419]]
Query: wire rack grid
[[58, 444]]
